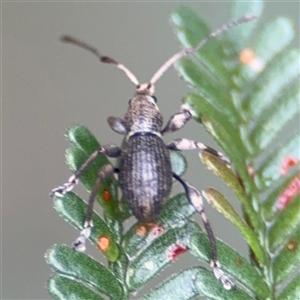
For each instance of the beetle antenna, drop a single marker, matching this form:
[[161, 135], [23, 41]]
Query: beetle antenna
[[103, 59], [188, 51]]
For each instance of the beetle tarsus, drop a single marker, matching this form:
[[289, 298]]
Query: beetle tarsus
[[79, 244], [228, 284]]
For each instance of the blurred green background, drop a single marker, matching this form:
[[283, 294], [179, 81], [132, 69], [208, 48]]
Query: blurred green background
[[48, 86]]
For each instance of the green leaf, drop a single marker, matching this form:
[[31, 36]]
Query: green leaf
[[292, 290], [273, 119], [216, 123], [175, 213], [287, 259], [191, 33], [179, 287], [203, 107], [210, 88], [119, 269], [280, 193], [71, 263], [158, 254], [276, 77], [222, 170], [245, 113], [286, 224], [239, 35], [208, 286], [62, 288], [73, 210], [231, 262], [270, 168], [218, 201], [267, 44], [83, 144]]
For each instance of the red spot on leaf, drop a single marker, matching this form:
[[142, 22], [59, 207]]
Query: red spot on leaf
[[246, 56], [291, 245], [142, 229], [157, 230], [288, 163], [103, 243], [106, 195], [176, 250], [289, 193]]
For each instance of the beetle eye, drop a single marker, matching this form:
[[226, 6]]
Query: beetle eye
[[154, 98]]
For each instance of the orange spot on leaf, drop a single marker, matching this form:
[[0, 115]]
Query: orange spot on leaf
[[103, 243], [106, 195], [249, 58], [291, 245], [246, 56]]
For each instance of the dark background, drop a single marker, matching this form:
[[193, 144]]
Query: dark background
[[48, 86]]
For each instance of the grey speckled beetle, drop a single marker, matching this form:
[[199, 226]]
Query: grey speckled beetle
[[144, 171]]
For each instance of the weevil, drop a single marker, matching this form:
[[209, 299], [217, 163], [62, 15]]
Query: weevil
[[144, 170]]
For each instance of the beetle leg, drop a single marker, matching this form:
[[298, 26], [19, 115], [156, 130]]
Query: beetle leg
[[186, 144], [177, 121], [110, 150], [105, 172], [195, 199], [117, 125]]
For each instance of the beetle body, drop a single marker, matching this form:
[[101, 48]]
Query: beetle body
[[145, 172], [145, 175]]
